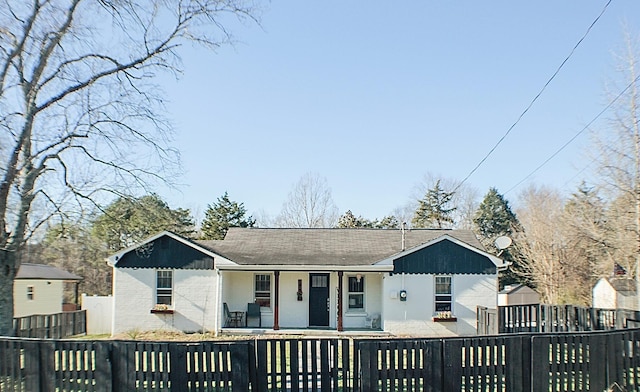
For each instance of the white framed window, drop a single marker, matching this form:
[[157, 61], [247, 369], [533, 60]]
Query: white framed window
[[356, 293], [30, 293], [443, 294], [164, 287], [262, 290]]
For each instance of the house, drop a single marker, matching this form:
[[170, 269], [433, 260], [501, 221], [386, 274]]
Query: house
[[404, 282], [615, 293], [518, 294], [39, 289]]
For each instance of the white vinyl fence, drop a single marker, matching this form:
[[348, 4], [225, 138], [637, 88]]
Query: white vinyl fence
[[99, 313]]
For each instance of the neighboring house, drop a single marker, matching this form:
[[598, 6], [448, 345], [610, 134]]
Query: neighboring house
[[404, 282], [615, 293], [518, 294], [39, 289]]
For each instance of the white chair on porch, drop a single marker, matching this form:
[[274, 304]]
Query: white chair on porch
[[372, 320]]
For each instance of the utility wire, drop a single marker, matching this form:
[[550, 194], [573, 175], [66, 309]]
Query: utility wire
[[606, 108], [535, 98]]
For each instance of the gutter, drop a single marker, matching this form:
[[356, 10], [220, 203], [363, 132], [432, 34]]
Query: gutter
[[281, 267]]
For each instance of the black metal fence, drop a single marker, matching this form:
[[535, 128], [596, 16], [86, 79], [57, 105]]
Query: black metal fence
[[587, 361], [51, 326]]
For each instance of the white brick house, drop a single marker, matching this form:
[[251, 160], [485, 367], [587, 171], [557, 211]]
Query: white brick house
[[416, 282]]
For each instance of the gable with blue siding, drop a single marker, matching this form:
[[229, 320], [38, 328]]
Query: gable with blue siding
[[444, 257], [166, 252]]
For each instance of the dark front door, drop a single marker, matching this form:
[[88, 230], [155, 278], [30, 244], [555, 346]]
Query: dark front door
[[318, 300]]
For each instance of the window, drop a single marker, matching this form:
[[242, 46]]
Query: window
[[443, 294], [319, 281], [30, 293], [356, 292], [262, 292], [164, 287]]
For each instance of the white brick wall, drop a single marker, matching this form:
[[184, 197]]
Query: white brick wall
[[194, 301], [414, 316]]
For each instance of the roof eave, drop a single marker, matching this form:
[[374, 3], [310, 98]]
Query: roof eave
[[290, 267]]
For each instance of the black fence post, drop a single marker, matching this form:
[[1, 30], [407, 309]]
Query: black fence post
[[47, 366], [452, 364], [517, 357], [103, 367], [32, 363], [368, 382], [239, 365], [178, 367], [539, 366]]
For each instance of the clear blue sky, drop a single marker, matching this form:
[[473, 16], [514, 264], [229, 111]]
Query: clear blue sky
[[372, 95]]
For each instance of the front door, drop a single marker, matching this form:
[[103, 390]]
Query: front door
[[318, 300]]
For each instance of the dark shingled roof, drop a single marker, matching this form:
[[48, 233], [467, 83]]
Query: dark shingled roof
[[624, 286], [348, 247], [41, 271]]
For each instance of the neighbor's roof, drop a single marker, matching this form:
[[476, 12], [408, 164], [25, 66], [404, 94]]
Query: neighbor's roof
[[42, 271], [510, 289], [623, 285], [324, 246]]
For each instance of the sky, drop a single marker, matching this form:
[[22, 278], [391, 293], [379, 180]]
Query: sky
[[375, 95]]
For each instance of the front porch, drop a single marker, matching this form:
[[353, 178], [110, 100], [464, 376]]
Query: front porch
[[301, 302]]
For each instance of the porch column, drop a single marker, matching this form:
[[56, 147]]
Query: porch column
[[340, 327], [77, 293], [276, 300]]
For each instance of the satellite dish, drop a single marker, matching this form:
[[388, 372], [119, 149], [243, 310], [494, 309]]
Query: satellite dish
[[502, 242]]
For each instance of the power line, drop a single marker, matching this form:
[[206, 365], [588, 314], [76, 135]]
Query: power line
[[606, 108], [536, 97]]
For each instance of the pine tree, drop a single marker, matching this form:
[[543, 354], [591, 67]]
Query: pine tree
[[222, 215], [350, 221], [494, 219], [129, 220], [433, 211]]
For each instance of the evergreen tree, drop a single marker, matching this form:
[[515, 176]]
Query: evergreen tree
[[494, 218], [222, 215], [433, 211], [127, 221], [350, 221], [388, 222]]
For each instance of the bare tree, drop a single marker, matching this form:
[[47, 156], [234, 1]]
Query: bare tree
[[617, 150], [542, 244], [80, 115], [309, 204]]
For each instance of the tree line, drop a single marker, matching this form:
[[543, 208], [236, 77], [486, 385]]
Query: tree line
[[85, 138]]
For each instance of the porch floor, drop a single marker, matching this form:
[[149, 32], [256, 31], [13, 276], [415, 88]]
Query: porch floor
[[307, 332]]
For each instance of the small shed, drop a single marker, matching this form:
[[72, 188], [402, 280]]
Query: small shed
[[615, 293], [518, 294], [39, 289]]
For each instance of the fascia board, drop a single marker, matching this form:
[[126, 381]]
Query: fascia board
[[281, 267]]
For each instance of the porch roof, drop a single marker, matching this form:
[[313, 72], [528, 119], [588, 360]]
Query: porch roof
[[323, 247]]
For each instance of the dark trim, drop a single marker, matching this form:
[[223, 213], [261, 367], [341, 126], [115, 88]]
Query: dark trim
[[444, 320], [162, 311]]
